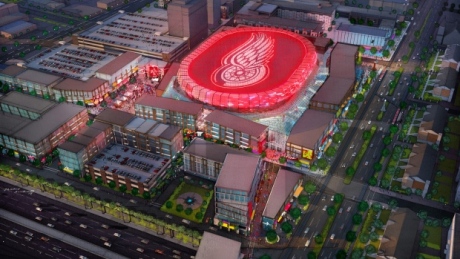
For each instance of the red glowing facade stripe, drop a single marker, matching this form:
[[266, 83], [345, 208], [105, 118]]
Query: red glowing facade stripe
[[248, 69]]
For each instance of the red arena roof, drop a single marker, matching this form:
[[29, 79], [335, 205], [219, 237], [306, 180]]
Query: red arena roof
[[248, 69]]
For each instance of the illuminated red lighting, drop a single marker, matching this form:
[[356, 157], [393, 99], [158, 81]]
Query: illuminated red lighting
[[249, 69]]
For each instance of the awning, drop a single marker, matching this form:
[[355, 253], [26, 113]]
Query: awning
[[298, 191]]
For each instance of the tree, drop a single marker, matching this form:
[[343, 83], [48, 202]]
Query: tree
[[146, 195], [422, 243], [376, 206], [366, 135], [359, 98], [331, 151], [122, 188], [385, 152], [377, 223], [76, 173], [338, 198], [373, 74], [393, 128], [286, 227], [353, 108], [311, 255], [424, 233], [341, 254], [179, 207], [398, 32], [343, 126], [295, 213], [393, 203], [374, 50], [377, 167], [319, 239], [373, 236], [385, 53], [350, 236], [331, 211], [405, 58], [391, 43], [134, 191], [446, 222], [387, 140], [310, 187], [271, 236], [357, 219], [350, 171], [364, 237], [361, 49], [112, 184], [373, 181], [370, 249], [322, 163], [337, 138], [357, 253], [303, 199]]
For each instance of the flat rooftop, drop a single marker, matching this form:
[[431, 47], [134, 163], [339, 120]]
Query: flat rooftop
[[170, 104], [118, 63], [153, 128], [283, 185], [309, 128], [13, 70], [343, 61], [130, 162], [361, 29], [216, 152], [238, 172], [325, 9], [115, 117], [216, 246], [71, 61], [237, 123], [38, 77], [11, 123], [333, 90], [77, 85], [27, 102], [144, 31]]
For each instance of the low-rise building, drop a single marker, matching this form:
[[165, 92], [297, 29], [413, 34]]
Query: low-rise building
[[451, 27], [432, 125], [452, 57], [287, 185], [89, 92], [235, 191], [205, 158], [417, 171], [118, 71], [108, 4], [361, 35], [170, 111], [309, 135], [37, 83], [118, 119], [216, 246], [37, 137], [236, 130], [8, 75], [16, 29], [445, 83]]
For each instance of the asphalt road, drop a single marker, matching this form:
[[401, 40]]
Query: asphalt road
[[14, 244], [53, 212]]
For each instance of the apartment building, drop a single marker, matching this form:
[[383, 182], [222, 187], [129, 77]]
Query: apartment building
[[89, 92], [169, 111]]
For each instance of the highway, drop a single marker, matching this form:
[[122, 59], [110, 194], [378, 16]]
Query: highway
[[86, 226]]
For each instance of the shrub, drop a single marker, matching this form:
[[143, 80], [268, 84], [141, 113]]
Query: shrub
[[188, 211], [179, 207], [199, 215], [169, 204]]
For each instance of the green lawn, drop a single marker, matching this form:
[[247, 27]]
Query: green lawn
[[198, 213], [413, 130], [385, 215], [419, 114], [406, 153], [427, 256], [454, 125], [444, 179], [443, 191], [447, 165], [454, 140], [434, 238]]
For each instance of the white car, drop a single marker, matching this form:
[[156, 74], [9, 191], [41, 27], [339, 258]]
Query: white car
[[367, 162], [325, 207], [332, 236], [117, 234]]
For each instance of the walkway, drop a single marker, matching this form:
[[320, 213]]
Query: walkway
[[71, 240]]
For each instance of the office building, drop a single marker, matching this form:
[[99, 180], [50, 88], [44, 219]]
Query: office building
[[235, 191], [188, 19]]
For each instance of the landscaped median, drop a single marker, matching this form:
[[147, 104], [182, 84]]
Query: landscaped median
[[351, 170], [332, 213]]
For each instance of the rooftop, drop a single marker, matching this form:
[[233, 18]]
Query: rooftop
[[452, 53], [447, 77], [325, 8], [49, 122], [285, 182], [118, 63], [373, 31], [170, 104], [72, 146], [172, 72], [216, 246], [11, 123], [38, 77], [333, 90], [27, 102], [115, 117], [76, 85], [13, 70], [238, 172], [237, 123], [212, 151], [343, 61], [309, 128]]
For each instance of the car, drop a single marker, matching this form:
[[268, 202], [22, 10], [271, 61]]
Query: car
[[43, 238], [50, 225], [145, 241], [186, 221], [176, 256], [168, 216], [82, 257], [306, 230], [57, 249], [354, 154], [83, 226], [105, 226], [96, 189], [325, 207], [307, 243], [104, 239], [332, 198], [27, 238], [413, 57], [68, 213], [343, 165], [12, 232], [29, 233], [369, 122], [38, 218], [66, 183], [117, 234], [140, 250], [340, 211], [68, 222], [332, 237], [53, 219], [349, 208], [372, 145], [324, 198], [381, 128], [176, 252], [352, 146], [38, 209], [367, 162], [158, 251], [107, 244]]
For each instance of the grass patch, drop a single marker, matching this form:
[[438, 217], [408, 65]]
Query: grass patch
[[444, 179], [447, 165], [454, 125], [413, 130], [434, 238], [444, 191], [196, 215], [385, 216], [325, 233], [406, 153], [427, 256], [454, 140]]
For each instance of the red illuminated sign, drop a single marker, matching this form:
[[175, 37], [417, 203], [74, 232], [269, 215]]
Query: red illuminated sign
[[248, 69]]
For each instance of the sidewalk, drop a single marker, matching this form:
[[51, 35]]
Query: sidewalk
[[98, 213]]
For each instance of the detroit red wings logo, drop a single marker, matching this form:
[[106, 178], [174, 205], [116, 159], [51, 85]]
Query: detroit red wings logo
[[247, 64]]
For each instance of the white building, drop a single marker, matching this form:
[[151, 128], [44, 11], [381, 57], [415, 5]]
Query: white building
[[361, 35]]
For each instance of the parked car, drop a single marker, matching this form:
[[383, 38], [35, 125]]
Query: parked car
[[140, 250], [332, 237], [107, 244], [12, 232]]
